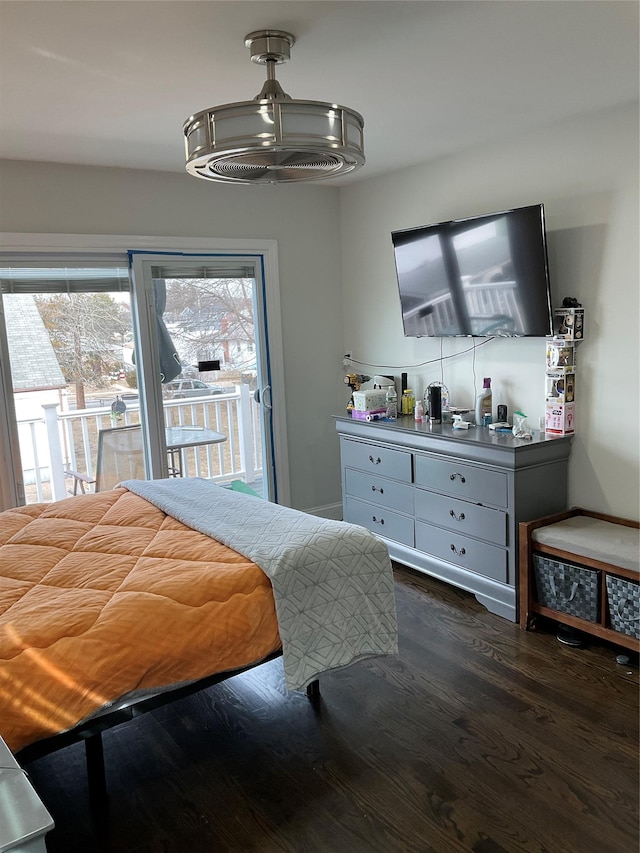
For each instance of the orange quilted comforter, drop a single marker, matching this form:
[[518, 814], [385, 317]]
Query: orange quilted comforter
[[104, 594]]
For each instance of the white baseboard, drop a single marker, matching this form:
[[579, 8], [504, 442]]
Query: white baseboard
[[332, 511]]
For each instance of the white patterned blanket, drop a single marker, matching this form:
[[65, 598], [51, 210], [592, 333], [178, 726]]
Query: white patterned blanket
[[332, 581]]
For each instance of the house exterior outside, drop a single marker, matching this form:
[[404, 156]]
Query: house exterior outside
[[37, 378]]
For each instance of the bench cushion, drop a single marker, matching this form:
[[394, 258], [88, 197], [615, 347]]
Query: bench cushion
[[614, 544]]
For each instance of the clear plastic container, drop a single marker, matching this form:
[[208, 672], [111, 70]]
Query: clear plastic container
[[392, 403]]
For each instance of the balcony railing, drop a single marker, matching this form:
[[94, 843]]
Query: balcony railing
[[60, 442]]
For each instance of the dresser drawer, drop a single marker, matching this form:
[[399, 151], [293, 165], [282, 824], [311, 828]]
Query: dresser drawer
[[462, 517], [386, 523], [383, 461], [379, 490], [460, 480], [487, 560]]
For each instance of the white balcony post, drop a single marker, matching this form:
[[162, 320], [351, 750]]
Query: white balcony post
[[245, 429], [56, 463]]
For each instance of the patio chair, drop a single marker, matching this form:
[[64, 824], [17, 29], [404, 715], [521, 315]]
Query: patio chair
[[120, 457]]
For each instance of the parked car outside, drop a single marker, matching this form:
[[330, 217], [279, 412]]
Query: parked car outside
[[180, 388]]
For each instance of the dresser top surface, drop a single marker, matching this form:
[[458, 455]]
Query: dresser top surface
[[473, 435], [478, 443]]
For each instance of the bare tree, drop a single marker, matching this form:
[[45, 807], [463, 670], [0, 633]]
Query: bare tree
[[86, 331], [211, 313]]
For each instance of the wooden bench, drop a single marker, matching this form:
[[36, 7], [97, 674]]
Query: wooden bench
[[580, 537]]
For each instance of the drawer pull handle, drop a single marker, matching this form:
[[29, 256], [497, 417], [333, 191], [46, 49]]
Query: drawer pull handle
[[460, 553], [374, 489], [377, 520], [453, 476], [375, 461], [457, 517]]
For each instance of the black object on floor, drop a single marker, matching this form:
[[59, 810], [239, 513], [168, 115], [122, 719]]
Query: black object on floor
[[569, 636]]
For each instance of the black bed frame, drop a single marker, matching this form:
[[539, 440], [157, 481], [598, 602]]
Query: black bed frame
[[91, 731]]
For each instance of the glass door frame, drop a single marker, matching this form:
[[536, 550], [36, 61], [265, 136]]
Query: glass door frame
[[11, 486], [141, 266], [265, 252]]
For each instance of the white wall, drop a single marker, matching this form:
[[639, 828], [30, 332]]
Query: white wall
[[49, 198], [586, 173]]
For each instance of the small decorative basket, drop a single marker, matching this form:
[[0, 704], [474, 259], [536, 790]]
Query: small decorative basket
[[624, 605], [567, 588]]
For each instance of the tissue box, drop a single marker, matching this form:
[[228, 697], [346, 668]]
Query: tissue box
[[370, 400]]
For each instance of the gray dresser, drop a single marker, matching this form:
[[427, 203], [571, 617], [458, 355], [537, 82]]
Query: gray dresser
[[448, 502]]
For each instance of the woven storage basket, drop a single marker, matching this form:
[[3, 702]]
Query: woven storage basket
[[624, 605], [567, 588]]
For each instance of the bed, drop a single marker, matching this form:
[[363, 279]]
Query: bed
[[113, 602]]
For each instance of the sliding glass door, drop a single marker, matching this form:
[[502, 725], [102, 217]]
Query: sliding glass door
[[208, 346], [65, 330], [171, 347]]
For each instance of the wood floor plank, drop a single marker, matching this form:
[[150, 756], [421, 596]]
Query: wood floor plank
[[477, 737]]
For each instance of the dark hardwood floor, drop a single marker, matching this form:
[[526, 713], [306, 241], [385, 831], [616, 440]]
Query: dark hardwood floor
[[478, 736]]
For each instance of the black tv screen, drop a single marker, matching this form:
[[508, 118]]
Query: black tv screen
[[483, 276]]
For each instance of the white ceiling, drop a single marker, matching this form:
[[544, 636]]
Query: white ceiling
[[111, 83]]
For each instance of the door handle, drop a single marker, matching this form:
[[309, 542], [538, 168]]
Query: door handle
[[264, 397]]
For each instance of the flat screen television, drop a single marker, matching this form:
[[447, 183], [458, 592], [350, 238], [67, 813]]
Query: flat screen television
[[484, 276]]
